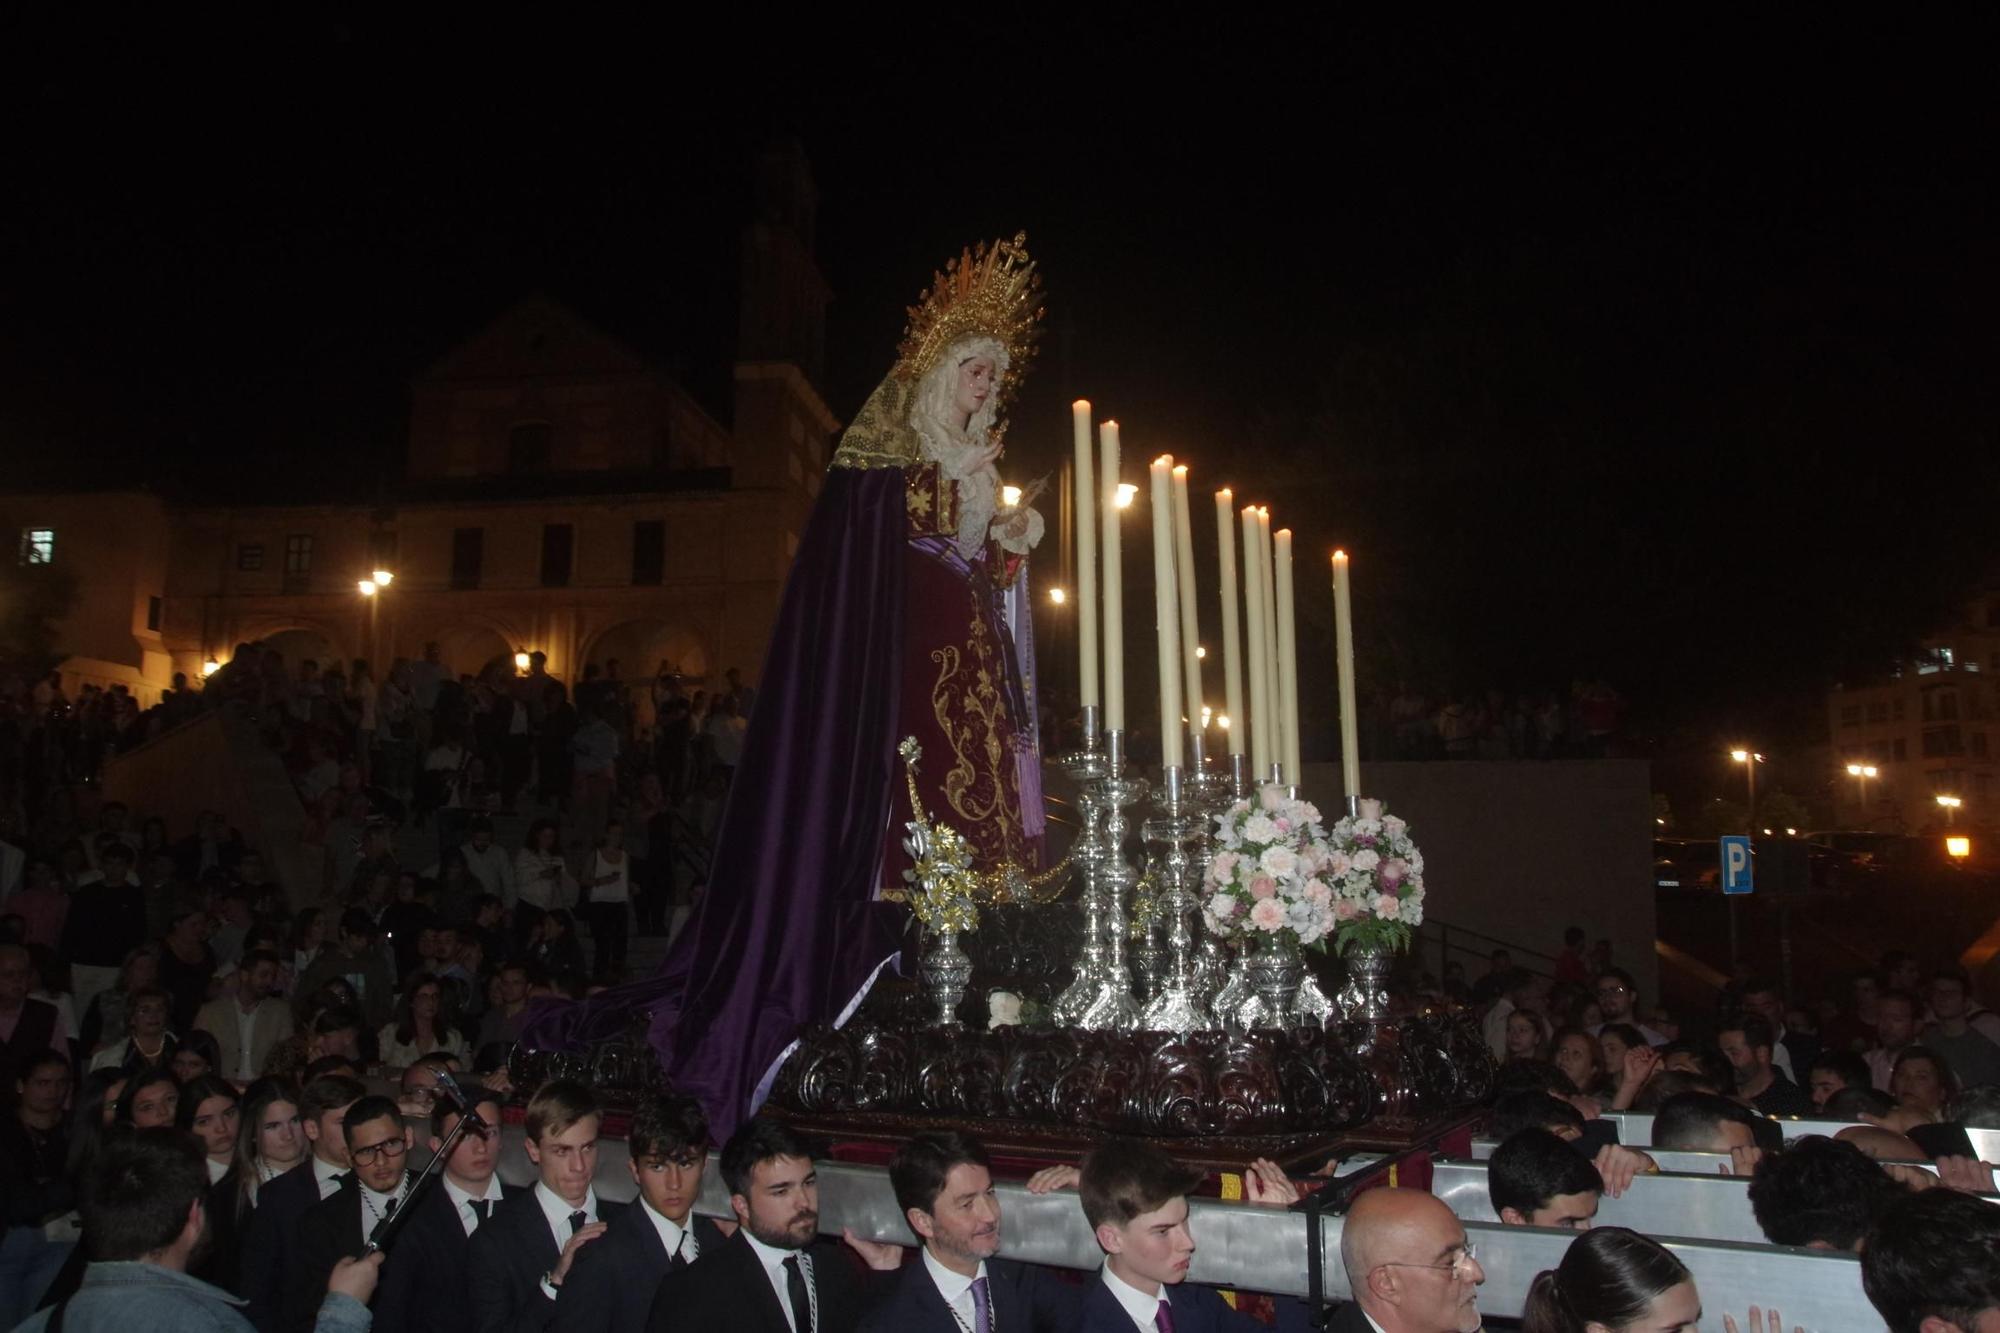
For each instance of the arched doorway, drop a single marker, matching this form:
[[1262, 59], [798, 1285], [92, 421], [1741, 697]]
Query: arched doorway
[[467, 650], [298, 645], [643, 648]]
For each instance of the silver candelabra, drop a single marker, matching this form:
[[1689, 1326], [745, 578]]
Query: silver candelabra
[[1177, 1004]]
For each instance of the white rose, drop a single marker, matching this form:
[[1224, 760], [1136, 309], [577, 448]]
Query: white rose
[[1222, 906], [1259, 828], [1279, 862], [1367, 859]]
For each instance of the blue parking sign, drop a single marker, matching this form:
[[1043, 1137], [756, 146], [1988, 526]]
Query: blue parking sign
[[1736, 864]]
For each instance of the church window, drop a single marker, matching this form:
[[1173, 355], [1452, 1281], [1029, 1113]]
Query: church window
[[38, 546]]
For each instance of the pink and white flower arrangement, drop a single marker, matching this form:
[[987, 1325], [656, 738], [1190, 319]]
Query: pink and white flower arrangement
[[1278, 870]]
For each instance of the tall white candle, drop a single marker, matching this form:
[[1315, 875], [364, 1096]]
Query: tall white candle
[[1190, 629], [1253, 601], [1084, 505], [1288, 655], [1238, 737], [1343, 646], [1167, 611], [1274, 739], [1114, 583]]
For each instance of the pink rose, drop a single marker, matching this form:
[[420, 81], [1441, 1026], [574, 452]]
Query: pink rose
[[1222, 867], [1263, 886], [1393, 871], [1345, 909], [1387, 906], [1268, 915]]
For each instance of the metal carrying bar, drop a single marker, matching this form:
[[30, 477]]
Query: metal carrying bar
[[1677, 1159], [1712, 1207]]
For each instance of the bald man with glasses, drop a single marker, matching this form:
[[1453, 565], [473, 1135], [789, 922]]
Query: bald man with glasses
[[1410, 1267]]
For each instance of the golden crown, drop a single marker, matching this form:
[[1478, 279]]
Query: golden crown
[[992, 289]]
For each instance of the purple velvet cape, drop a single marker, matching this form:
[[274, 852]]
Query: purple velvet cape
[[789, 932]]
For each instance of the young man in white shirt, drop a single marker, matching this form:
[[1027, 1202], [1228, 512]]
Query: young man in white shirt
[[424, 1285], [270, 1244], [518, 1261]]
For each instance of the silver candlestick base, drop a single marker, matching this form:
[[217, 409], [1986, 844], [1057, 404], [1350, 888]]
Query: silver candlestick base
[[1202, 789], [1239, 776], [1107, 1002], [1087, 767], [1177, 1004]]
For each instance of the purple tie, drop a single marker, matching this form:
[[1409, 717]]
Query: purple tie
[[982, 1311], [1163, 1318]]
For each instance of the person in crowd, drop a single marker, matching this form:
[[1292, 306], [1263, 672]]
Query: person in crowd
[[360, 963], [195, 1055], [594, 771], [148, 1040], [503, 1020], [27, 1026], [611, 1284], [1135, 1198], [250, 1019], [145, 1218], [1834, 1071], [1410, 1265], [607, 883], [541, 880], [421, 1025], [774, 1261], [270, 1241], [944, 1185], [1973, 1057], [1629, 1063], [1526, 1036], [1921, 1083], [234, 920], [187, 964], [35, 1186], [210, 1109], [1931, 1264], [308, 941], [105, 1021], [1617, 1002], [558, 950], [332, 1229], [1516, 991], [106, 921], [487, 862], [423, 1291], [1538, 1180], [332, 1033], [1575, 1052], [1895, 1028], [517, 1262], [1819, 1193], [42, 902], [151, 1099], [269, 1139], [96, 1111], [1704, 1122], [1748, 1045], [1616, 1281], [1530, 1109]]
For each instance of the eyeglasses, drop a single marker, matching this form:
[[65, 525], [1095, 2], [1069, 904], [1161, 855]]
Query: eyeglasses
[[390, 1148], [1460, 1264]]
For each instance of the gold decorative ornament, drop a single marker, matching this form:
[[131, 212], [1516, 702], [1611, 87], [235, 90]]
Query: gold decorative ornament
[[991, 289]]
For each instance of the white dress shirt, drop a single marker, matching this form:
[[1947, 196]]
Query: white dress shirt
[[956, 1288], [327, 1176], [216, 1170], [557, 1210], [376, 1205], [1141, 1307], [773, 1260], [461, 1199], [678, 1239]]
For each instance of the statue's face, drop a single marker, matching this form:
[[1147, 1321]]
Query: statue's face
[[976, 377]]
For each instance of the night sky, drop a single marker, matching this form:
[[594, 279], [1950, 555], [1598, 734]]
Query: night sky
[[1665, 355]]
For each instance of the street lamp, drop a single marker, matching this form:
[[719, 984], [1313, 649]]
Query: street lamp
[[383, 578], [521, 661], [1058, 596], [1749, 759], [368, 587], [209, 668], [1950, 804]]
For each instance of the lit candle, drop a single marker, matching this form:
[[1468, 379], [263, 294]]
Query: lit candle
[[1166, 611], [1084, 505], [1274, 739], [1232, 648], [1190, 624], [1343, 645], [1114, 585], [1253, 601], [1288, 656]]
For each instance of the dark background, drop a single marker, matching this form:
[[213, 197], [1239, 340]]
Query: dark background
[[1662, 354]]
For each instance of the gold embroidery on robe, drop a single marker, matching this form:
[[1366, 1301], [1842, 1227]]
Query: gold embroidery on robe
[[970, 708]]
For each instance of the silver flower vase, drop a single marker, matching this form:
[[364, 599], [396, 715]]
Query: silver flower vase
[[1273, 969], [1365, 997], [945, 971]]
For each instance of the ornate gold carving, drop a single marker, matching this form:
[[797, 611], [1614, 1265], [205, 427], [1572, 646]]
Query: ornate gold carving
[[989, 289]]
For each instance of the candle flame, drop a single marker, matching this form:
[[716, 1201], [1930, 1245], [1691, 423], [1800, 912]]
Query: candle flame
[[1164, 460], [1180, 470], [1226, 491], [1340, 555], [1284, 532], [1080, 405]]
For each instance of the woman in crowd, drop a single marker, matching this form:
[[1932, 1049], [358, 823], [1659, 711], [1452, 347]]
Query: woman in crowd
[[147, 1040], [196, 1056], [607, 875], [1612, 1280], [208, 1109], [269, 1141], [421, 1025], [542, 879], [1575, 1052], [1527, 1035], [151, 1100]]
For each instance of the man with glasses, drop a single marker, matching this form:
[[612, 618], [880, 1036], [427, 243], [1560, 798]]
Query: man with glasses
[[424, 1284], [1410, 1266], [1617, 996], [339, 1227], [611, 1285]]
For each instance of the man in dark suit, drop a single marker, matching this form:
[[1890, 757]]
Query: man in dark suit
[[268, 1263], [338, 1228], [944, 1184], [424, 1283], [772, 1276], [1409, 1265], [518, 1261], [1135, 1198], [610, 1286]]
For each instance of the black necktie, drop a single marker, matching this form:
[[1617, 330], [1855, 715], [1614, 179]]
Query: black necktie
[[390, 1211], [576, 1221], [795, 1287], [678, 1259], [481, 1208]]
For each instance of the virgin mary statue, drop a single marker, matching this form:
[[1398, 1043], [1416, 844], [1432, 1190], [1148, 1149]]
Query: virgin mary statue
[[905, 614]]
